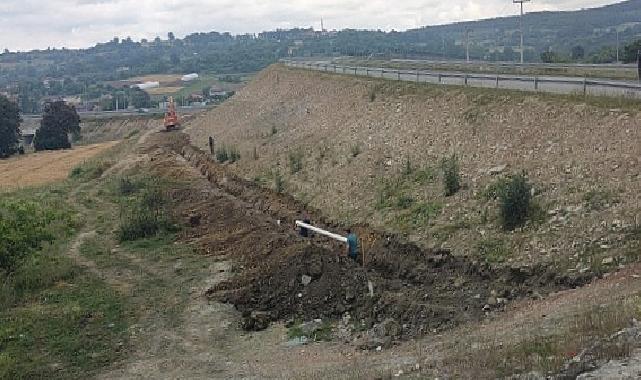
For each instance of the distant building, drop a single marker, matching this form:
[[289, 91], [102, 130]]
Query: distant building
[[48, 82], [89, 106], [27, 138], [217, 92], [72, 100], [12, 97], [196, 97], [148, 85], [189, 77], [50, 99]]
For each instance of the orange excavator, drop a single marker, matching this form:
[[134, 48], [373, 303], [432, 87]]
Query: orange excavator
[[171, 117]]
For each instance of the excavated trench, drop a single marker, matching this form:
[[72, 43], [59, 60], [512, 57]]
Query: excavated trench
[[420, 290]]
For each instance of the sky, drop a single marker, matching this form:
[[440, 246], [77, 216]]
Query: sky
[[38, 24]]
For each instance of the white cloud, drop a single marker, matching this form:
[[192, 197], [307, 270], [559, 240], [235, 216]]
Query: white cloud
[[29, 24]]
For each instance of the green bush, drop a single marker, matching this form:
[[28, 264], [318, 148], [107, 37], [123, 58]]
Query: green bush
[[24, 227], [75, 172], [493, 250], [424, 211], [404, 202], [451, 175], [234, 155], [222, 155], [408, 169], [126, 186], [515, 199], [495, 189], [388, 190], [425, 176], [279, 182], [145, 216], [295, 162], [600, 199], [355, 150], [88, 171]]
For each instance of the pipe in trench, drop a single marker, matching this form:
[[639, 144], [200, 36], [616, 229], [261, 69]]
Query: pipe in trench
[[322, 232]]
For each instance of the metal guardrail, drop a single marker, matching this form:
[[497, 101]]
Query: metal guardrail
[[620, 66], [459, 62], [524, 83]]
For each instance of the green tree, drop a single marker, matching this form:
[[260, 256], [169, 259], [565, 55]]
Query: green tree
[[58, 122], [578, 53], [451, 175], [140, 98], [9, 127], [515, 198], [631, 51], [551, 57], [174, 58]]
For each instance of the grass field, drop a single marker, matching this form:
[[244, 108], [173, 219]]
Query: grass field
[[162, 78], [164, 90], [44, 167]]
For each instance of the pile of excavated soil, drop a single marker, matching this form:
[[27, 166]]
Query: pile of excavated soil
[[420, 291], [352, 134]]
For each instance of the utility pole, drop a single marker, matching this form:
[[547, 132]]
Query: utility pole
[[618, 46], [467, 44], [639, 65], [521, 23]]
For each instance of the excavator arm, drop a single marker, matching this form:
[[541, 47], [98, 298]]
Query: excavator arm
[[171, 116]]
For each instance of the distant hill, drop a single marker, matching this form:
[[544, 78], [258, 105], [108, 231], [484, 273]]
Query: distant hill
[[591, 29]]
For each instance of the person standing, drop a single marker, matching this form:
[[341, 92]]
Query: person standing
[[352, 245]]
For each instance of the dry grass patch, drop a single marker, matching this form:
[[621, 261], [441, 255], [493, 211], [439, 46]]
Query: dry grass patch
[[162, 78], [546, 351], [45, 167]]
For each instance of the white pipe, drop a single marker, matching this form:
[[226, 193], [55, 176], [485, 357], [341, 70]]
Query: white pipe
[[321, 231]]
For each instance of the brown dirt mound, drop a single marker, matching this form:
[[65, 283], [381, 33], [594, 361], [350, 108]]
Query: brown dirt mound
[[421, 291]]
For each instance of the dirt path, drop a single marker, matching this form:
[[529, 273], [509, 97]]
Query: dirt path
[[45, 167], [110, 278]]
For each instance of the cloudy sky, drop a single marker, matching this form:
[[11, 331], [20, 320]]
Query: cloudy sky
[[31, 24]]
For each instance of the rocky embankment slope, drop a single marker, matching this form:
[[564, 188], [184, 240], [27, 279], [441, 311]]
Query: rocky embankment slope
[[344, 145]]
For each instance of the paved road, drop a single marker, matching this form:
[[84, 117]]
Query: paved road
[[551, 84]]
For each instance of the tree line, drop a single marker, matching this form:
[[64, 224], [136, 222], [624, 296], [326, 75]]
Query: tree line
[[60, 123]]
